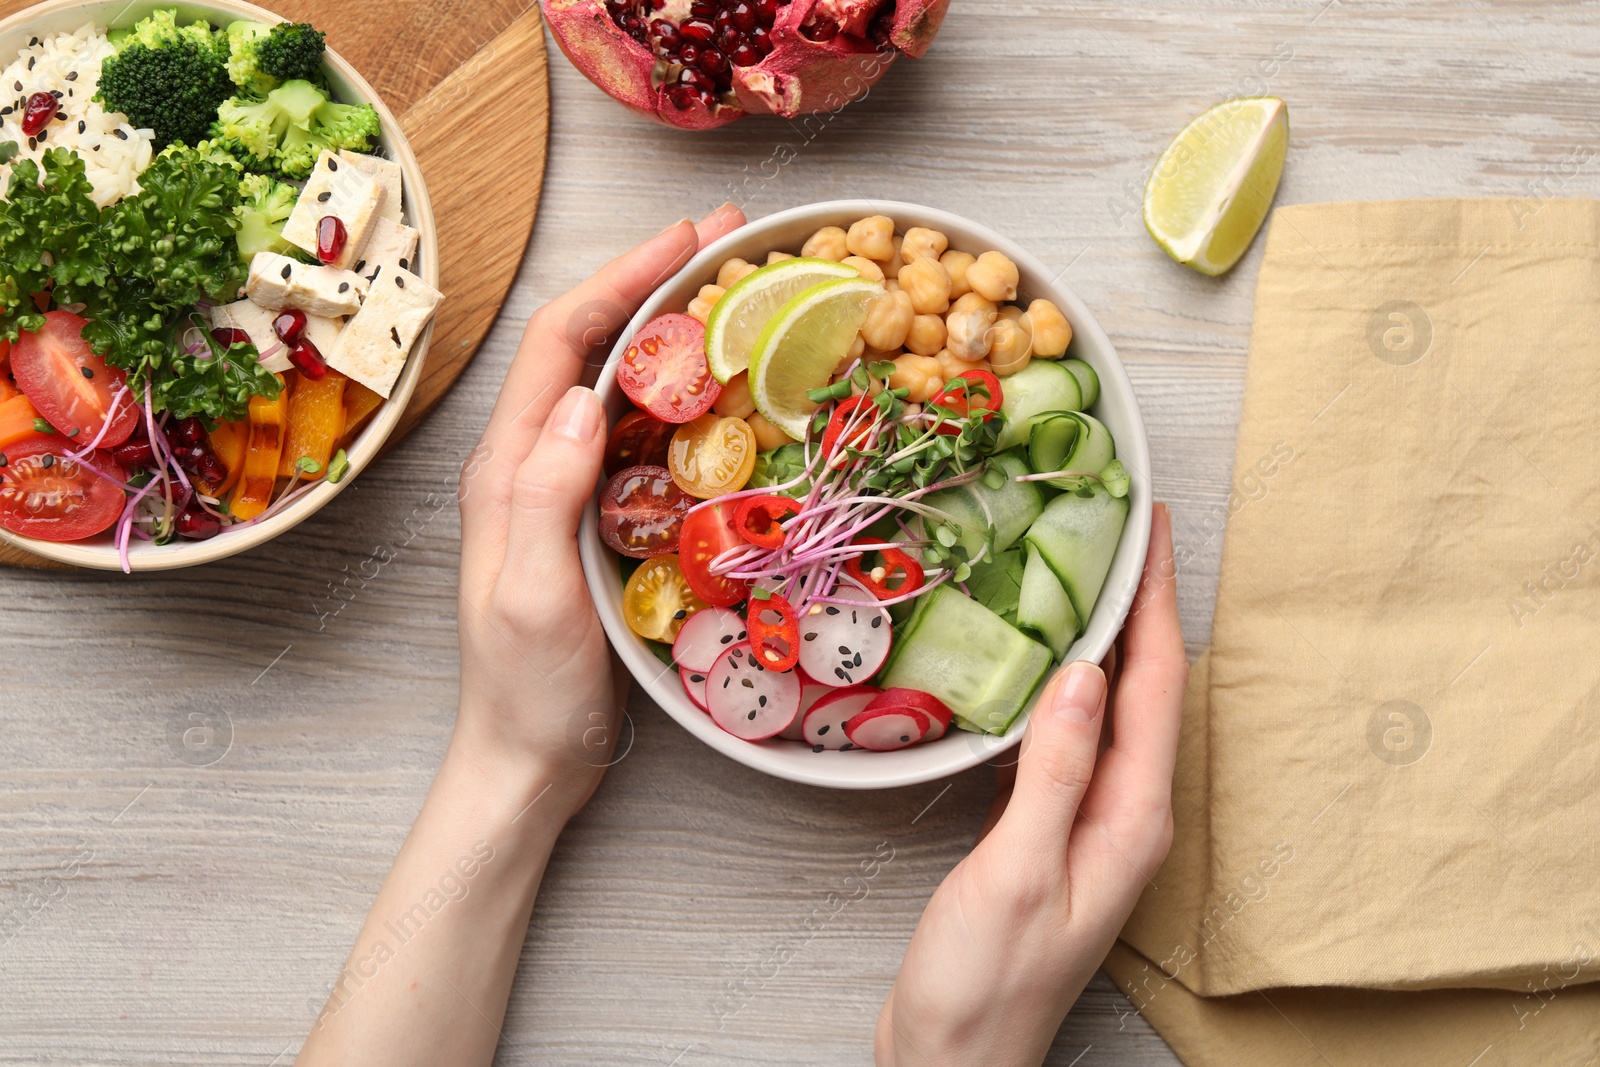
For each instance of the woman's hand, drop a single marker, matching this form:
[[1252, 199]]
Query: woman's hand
[[536, 683], [1019, 927]]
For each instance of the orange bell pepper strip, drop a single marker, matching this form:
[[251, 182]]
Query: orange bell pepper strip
[[269, 423], [229, 441], [316, 421], [359, 404], [16, 420]]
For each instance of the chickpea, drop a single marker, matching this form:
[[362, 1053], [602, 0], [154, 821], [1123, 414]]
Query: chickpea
[[700, 307], [1012, 312], [927, 335], [778, 257], [974, 302], [955, 264], [923, 243], [994, 276], [928, 286], [768, 436], [892, 284], [734, 270], [869, 268], [896, 260], [1052, 333], [919, 375], [888, 321], [826, 243], [735, 401], [970, 328], [1010, 346], [950, 366], [872, 237]]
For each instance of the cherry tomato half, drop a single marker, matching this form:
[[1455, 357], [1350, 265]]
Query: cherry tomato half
[[712, 456], [774, 632], [886, 572], [70, 385], [757, 518], [657, 601], [640, 439], [844, 414], [641, 512], [707, 533], [971, 389], [47, 495], [664, 369]]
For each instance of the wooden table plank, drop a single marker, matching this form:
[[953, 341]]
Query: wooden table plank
[[220, 901]]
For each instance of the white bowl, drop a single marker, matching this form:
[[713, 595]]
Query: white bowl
[[1117, 408], [99, 553]]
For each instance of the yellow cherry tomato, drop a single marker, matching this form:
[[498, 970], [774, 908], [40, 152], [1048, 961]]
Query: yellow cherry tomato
[[657, 600], [712, 455]]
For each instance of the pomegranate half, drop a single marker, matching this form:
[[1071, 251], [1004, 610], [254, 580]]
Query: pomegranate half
[[695, 64]]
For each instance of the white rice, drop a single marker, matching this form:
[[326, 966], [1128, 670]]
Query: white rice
[[113, 164]]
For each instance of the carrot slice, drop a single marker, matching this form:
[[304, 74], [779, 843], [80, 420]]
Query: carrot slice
[[16, 419]]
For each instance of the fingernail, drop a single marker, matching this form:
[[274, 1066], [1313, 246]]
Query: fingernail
[[577, 416], [1078, 696], [675, 225]]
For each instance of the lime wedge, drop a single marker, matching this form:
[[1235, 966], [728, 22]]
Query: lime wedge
[[802, 344], [1213, 185], [744, 310]]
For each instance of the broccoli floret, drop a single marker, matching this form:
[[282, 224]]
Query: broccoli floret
[[243, 68], [291, 52], [267, 204], [161, 30], [293, 125], [167, 78]]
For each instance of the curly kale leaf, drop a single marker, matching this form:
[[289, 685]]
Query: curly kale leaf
[[49, 230], [216, 383], [177, 234]]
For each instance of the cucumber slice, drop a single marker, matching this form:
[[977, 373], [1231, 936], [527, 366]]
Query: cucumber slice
[[1009, 506], [1088, 381], [1077, 535], [961, 652], [1069, 440], [1043, 607], [1041, 386]]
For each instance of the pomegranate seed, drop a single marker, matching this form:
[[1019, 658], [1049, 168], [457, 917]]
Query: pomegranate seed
[[331, 238], [746, 55], [761, 37], [728, 40], [714, 63], [743, 16], [821, 32], [768, 11], [689, 55], [307, 360], [41, 108], [135, 454], [196, 525], [290, 325], [190, 431], [724, 19], [698, 30], [682, 97], [210, 469], [694, 79], [706, 98], [702, 9], [228, 336], [666, 35]]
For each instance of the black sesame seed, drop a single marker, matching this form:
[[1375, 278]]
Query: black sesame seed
[[31, 61], [743, 634], [697, 677], [852, 615], [121, 133], [323, 198], [756, 664], [3, 459], [857, 661], [43, 134], [333, 164], [344, 287], [844, 650], [33, 142], [808, 637], [7, 110], [72, 76], [877, 621], [680, 614], [405, 264], [725, 682], [288, 270], [82, 126], [831, 610], [846, 747], [726, 638], [19, 87], [87, 372], [819, 748], [762, 701], [751, 715], [747, 683], [359, 265], [57, 93], [47, 461], [904, 738], [97, 148], [401, 282], [839, 671], [394, 332], [33, 42]]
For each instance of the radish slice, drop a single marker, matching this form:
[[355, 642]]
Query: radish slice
[[694, 683], [811, 691], [823, 726], [748, 700], [916, 700], [842, 644], [705, 636], [886, 729]]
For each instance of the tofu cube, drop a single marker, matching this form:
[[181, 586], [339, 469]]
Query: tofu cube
[[374, 346], [255, 320], [391, 247], [278, 282], [338, 189], [389, 176]]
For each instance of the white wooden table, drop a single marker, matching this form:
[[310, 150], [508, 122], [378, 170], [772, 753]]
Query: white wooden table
[[211, 906]]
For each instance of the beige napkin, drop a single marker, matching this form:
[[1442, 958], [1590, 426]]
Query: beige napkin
[[1390, 770]]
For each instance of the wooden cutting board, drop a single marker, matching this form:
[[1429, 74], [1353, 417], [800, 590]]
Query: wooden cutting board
[[470, 85]]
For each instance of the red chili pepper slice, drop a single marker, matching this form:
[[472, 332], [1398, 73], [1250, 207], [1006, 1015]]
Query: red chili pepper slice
[[842, 414], [774, 632], [896, 575], [756, 518], [966, 391]]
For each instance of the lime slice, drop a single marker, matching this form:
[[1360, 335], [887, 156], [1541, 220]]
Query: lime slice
[[1213, 185], [802, 344], [744, 310]]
